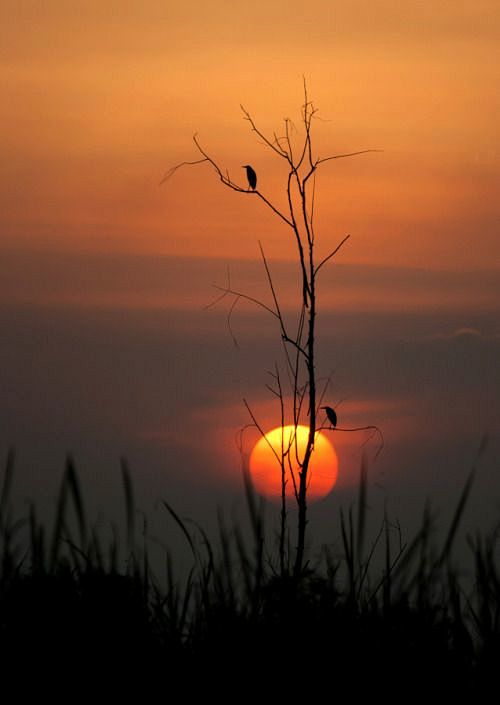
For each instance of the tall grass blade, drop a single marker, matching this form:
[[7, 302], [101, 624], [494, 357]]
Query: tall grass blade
[[129, 504], [456, 518], [76, 495], [6, 486], [410, 551], [361, 512], [59, 523], [388, 569], [347, 543], [182, 527]]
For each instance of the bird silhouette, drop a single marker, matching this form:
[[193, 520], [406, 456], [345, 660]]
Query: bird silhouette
[[251, 176], [331, 415]]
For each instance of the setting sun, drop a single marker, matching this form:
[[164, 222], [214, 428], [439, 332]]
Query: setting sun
[[265, 467]]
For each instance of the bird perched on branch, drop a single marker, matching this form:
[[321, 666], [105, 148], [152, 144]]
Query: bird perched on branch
[[251, 176], [331, 415]]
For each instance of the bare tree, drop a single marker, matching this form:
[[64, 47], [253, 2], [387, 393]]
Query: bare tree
[[295, 148]]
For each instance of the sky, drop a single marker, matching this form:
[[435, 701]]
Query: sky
[[109, 344]]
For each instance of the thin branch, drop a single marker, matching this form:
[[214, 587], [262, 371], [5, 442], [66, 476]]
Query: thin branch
[[349, 154], [323, 393], [284, 335], [217, 299], [249, 118], [309, 118], [288, 141], [305, 218], [311, 215], [271, 286], [332, 254], [306, 291], [260, 429], [308, 111], [300, 329], [228, 318], [172, 171], [228, 291], [295, 345], [224, 178], [301, 394], [240, 295], [273, 391], [277, 142], [283, 475], [276, 378], [375, 429], [225, 293], [292, 474], [227, 181]]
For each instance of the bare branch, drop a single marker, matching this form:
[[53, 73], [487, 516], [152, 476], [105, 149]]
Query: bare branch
[[240, 295], [172, 171], [223, 177], [218, 299], [313, 201], [283, 477], [306, 291], [271, 286], [284, 335], [292, 474], [350, 154], [323, 392], [306, 219], [332, 254], [309, 117], [277, 142], [268, 142], [260, 429], [273, 208], [227, 181], [295, 385], [296, 346], [225, 293], [228, 318], [375, 429], [273, 391], [288, 141]]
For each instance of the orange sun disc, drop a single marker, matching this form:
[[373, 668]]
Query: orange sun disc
[[290, 443]]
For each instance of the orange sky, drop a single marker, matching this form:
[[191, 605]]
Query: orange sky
[[100, 99], [107, 348]]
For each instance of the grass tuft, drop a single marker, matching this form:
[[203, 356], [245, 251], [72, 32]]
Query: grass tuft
[[77, 599]]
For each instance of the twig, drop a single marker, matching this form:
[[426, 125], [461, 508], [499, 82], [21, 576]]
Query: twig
[[260, 429], [348, 154], [172, 171], [354, 430], [332, 254]]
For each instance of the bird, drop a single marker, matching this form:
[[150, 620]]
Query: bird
[[251, 176], [331, 415]]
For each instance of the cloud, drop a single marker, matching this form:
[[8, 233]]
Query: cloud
[[464, 333]]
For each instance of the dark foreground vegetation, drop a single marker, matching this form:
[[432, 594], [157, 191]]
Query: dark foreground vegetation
[[239, 624]]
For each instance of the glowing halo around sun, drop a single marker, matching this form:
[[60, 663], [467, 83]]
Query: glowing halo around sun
[[265, 469]]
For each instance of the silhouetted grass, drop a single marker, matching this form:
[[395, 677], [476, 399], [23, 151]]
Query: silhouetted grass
[[71, 602]]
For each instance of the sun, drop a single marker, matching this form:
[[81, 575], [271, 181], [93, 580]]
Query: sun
[[265, 467]]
